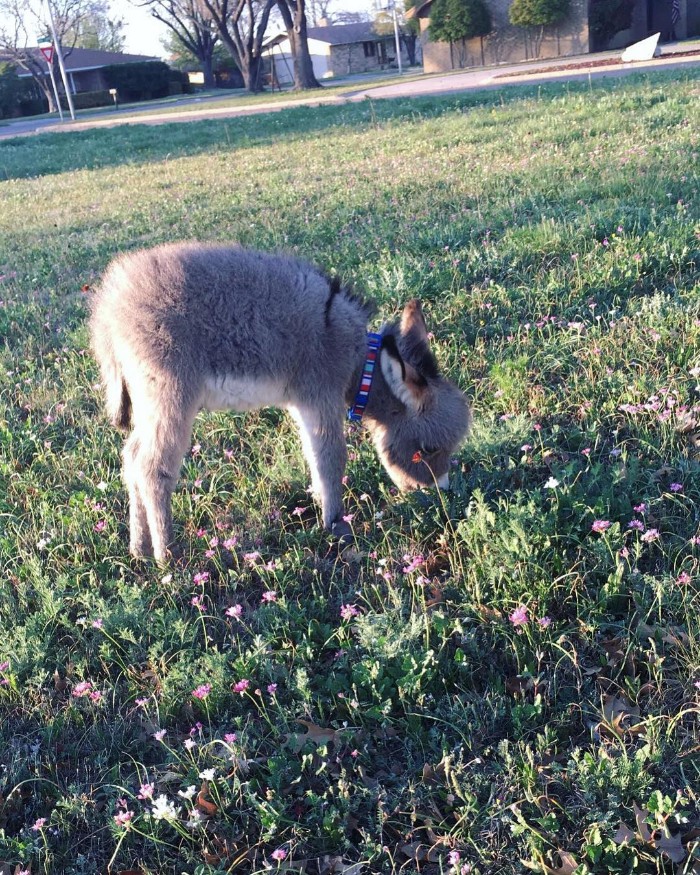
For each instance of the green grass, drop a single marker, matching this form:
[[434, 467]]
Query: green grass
[[534, 677]]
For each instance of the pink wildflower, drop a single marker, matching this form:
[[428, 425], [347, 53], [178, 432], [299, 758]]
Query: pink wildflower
[[234, 611], [159, 735], [197, 602], [84, 688], [272, 689], [230, 737], [676, 487], [413, 563], [201, 577], [519, 616], [241, 686], [202, 691], [146, 791], [683, 578], [650, 535], [39, 824], [123, 818], [601, 526], [269, 596], [347, 612], [279, 855], [100, 526], [545, 622]]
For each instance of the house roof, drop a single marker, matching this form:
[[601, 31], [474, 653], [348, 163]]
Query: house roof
[[78, 59], [420, 7], [336, 34]]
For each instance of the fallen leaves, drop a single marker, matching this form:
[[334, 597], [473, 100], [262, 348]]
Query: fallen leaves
[[661, 839]]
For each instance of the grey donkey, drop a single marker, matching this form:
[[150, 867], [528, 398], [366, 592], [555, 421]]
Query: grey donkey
[[190, 326]]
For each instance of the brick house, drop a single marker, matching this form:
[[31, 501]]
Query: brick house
[[337, 50], [509, 44]]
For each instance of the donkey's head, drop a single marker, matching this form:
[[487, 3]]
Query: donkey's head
[[417, 417]]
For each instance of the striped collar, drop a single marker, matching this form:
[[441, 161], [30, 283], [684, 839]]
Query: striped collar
[[374, 343]]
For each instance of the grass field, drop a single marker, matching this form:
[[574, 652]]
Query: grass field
[[499, 679]]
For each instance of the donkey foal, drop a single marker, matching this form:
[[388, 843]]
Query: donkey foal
[[187, 326]]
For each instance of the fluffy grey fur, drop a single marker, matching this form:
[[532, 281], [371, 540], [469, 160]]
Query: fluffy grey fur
[[189, 326]]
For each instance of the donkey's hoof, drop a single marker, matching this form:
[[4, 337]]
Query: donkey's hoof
[[342, 531]]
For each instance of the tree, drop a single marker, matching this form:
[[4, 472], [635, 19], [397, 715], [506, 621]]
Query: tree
[[293, 14], [538, 14], [96, 30], [193, 26], [608, 17], [23, 19], [241, 25], [456, 21]]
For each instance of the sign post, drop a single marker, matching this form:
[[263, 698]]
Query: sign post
[[46, 50]]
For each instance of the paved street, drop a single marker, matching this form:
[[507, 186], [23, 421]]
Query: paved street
[[449, 83]]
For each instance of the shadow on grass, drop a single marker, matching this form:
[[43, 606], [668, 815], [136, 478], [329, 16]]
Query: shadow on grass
[[138, 143]]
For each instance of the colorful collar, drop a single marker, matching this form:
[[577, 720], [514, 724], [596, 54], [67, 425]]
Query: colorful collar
[[374, 343]]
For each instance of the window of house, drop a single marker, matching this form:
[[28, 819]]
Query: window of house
[[369, 49]]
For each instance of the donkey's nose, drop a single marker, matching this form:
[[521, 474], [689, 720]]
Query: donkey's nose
[[444, 481]]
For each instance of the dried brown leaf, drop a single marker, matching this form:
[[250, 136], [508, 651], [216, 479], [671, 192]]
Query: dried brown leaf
[[670, 846], [640, 816], [619, 714], [204, 802], [623, 834], [420, 852], [318, 734]]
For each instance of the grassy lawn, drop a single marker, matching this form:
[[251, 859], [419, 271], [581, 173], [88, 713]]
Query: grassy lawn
[[499, 679]]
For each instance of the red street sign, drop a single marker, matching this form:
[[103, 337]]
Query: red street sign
[[47, 52]]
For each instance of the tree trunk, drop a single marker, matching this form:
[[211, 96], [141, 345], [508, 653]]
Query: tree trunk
[[409, 41], [293, 14], [208, 71]]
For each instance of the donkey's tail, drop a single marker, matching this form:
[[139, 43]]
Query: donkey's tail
[[117, 398]]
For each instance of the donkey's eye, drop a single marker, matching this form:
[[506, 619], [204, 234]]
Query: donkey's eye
[[429, 451]]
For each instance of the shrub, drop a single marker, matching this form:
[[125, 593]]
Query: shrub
[[453, 20], [538, 13], [139, 81], [18, 96], [608, 17], [88, 99]]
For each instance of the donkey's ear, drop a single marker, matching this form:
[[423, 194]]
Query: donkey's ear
[[414, 340], [413, 322], [404, 380]]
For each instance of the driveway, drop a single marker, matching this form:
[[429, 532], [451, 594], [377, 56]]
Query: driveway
[[557, 70]]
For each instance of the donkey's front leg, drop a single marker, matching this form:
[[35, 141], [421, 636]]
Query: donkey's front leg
[[323, 441]]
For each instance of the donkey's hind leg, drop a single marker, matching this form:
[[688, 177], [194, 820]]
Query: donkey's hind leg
[[160, 446], [139, 534]]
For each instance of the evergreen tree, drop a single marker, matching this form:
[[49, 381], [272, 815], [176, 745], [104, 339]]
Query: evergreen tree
[[455, 21], [538, 13]]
